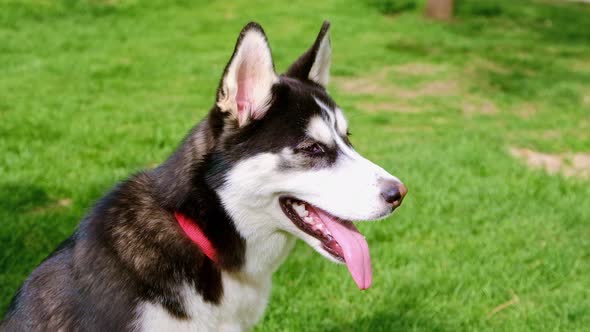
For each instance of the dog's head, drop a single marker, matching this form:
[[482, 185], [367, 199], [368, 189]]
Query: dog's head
[[287, 162]]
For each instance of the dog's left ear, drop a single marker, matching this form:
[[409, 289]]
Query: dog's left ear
[[245, 91], [314, 65]]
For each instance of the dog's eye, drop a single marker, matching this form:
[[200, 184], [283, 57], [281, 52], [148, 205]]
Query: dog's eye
[[314, 149]]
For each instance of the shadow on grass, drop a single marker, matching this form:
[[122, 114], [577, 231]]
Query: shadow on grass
[[391, 321], [15, 197], [551, 21], [33, 225]]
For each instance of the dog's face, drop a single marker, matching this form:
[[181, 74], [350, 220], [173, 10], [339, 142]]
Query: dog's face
[[289, 165]]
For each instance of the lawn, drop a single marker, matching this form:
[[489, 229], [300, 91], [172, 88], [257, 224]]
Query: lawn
[[91, 91]]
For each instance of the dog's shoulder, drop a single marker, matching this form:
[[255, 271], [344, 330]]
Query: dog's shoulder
[[84, 278], [62, 294]]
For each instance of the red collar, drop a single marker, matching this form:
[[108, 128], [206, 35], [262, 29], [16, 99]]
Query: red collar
[[195, 233]]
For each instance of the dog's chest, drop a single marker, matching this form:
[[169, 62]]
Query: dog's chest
[[242, 305]]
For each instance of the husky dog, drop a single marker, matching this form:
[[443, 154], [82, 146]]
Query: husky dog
[[192, 244]]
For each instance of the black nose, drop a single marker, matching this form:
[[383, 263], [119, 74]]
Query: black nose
[[391, 195], [393, 192]]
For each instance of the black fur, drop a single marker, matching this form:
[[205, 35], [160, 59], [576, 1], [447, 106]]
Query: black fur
[[130, 248]]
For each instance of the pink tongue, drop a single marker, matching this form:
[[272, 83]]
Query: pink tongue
[[354, 247]]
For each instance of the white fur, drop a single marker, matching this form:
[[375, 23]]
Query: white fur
[[320, 70], [153, 317], [248, 201], [243, 303], [341, 123], [319, 130]]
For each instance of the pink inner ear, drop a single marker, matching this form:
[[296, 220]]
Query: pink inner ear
[[243, 100], [243, 97]]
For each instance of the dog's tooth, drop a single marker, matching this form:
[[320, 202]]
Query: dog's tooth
[[318, 227], [299, 209], [308, 220]]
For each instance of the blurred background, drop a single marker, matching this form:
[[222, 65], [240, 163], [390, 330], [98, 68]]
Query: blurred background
[[481, 107]]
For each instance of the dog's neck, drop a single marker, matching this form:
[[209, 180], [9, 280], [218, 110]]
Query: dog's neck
[[185, 184], [266, 249]]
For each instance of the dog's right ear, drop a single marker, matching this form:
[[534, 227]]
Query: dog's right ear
[[245, 88], [314, 65]]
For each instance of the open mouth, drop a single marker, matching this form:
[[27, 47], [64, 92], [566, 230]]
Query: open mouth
[[340, 238]]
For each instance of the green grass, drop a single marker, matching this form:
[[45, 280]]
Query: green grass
[[91, 91]]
